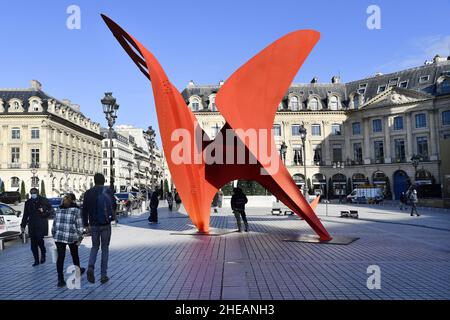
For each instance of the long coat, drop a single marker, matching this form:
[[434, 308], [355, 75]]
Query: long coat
[[37, 221]]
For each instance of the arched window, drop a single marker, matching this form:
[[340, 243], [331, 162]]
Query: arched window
[[195, 104], [35, 106], [356, 101], [295, 106], [15, 182], [314, 104], [334, 103], [212, 102]]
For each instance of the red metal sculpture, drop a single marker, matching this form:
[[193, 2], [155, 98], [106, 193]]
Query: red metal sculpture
[[248, 101]]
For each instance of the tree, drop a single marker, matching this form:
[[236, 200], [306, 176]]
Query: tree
[[387, 190], [310, 189], [22, 190], [227, 189], [330, 188], [42, 191], [349, 186], [2, 186], [166, 186]]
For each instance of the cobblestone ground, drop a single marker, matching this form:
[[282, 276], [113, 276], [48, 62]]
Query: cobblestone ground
[[148, 262]]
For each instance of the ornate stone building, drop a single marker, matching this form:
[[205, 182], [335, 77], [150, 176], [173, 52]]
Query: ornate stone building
[[49, 136], [370, 127]]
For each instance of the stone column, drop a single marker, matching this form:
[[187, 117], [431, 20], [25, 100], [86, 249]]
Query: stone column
[[347, 134], [326, 142], [366, 129], [409, 137], [387, 141], [433, 142]]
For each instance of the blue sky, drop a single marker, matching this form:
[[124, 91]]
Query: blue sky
[[204, 41]]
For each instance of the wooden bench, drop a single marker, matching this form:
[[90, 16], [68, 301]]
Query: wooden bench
[[8, 235]]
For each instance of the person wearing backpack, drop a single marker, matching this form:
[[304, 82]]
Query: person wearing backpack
[[99, 209], [413, 199]]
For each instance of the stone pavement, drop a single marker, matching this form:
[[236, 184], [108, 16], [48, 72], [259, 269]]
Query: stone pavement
[[147, 262]]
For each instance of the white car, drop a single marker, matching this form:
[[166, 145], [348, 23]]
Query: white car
[[9, 219]]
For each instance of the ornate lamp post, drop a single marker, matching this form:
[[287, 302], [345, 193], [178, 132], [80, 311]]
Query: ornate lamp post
[[110, 108], [33, 179], [302, 131], [151, 145], [283, 151], [66, 184], [146, 184], [138, 163], [415, 159]]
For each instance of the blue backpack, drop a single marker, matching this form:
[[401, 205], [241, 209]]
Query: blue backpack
[[104, 207]]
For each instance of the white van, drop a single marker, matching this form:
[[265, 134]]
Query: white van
[[9, 219], [366, 195]]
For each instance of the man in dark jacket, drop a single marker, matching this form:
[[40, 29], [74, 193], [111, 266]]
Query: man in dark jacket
[[154, 202], [238, 201], [36, 213], [99, 198]]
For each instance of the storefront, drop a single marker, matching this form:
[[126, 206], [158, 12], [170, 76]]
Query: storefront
[[339, 182], [358, 180], [319, 184]]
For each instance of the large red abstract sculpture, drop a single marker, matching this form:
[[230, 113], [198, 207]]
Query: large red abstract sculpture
[[248, 101]]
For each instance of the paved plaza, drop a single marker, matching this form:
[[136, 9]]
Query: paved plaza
[[149, 262]]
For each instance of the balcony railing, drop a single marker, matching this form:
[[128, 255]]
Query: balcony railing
[[14, 165], [34, 165]]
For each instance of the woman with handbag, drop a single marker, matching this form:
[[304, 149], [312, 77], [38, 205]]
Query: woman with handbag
[[67, 230]]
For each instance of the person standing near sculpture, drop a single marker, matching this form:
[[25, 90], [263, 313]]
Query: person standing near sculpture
[[36, 213], [238, 201]]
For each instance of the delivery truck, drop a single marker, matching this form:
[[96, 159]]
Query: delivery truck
[[366, 195]]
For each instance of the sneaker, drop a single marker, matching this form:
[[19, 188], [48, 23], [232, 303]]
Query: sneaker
[[35, 263], [90, 275], [61, 283], [104, 279]]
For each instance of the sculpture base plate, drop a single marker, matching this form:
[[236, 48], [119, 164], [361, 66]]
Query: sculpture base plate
[[309, 238], [212, 232]]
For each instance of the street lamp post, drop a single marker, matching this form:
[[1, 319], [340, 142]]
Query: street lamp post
[[146, 185], [110, 109], [33, 179], [302, 131], [138, 163], [339, 165], [66, 184], [415, 159], [283, 151]]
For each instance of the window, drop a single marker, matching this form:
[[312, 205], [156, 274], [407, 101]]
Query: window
[[424, 79], [362, 88], [34, 133], [15, 133], [336, 129], [298, 159], [105, 154], [422, 147], [398, 123], [357, 152], [377, 126], [393, 81], [317, 154], [294, 103], [399, 145], [356, 128], [379, 150], [105, 172], [213, 103], [195, 105], [35, 106], [15, 155], [381, 88], [421, 120], [295, 129], [333, 103], [16, 106], [35, 157], [215, 130], [337, 153], [446, 118], [315, 130], [277, 130], [403, 84], [356, 101], [314, 104], [15, 182]]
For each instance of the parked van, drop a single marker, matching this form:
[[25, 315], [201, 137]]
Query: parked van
[[366, 195]]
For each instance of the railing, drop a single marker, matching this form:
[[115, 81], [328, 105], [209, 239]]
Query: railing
[[34, 165], [14, 165]]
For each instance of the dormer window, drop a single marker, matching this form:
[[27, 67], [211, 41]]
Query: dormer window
[[195, 104], [35, 106], [381, 88], [403, 84], [334, 103], [294, 103], [314, 104], [362, 88], [212, 102], [424, 79], [16, 106]]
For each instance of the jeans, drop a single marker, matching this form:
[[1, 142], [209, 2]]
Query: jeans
[[238, 215], [37, 242], [414, 208], [153, 215], [61, 247], [101, 235]]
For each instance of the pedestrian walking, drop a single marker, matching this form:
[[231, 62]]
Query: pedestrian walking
[[238, 201], [154, 202], [413, 200], [219, 198], [99, 209], [403, 201], [169, 199], [215, 202], [177, 201], [67, 231], [37, 210]]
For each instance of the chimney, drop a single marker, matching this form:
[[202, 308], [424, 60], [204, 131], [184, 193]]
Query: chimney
[[221, 83], [314, 80], [191, 83], [336, 79], [75, 107], [67, 102], [36, 85]]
